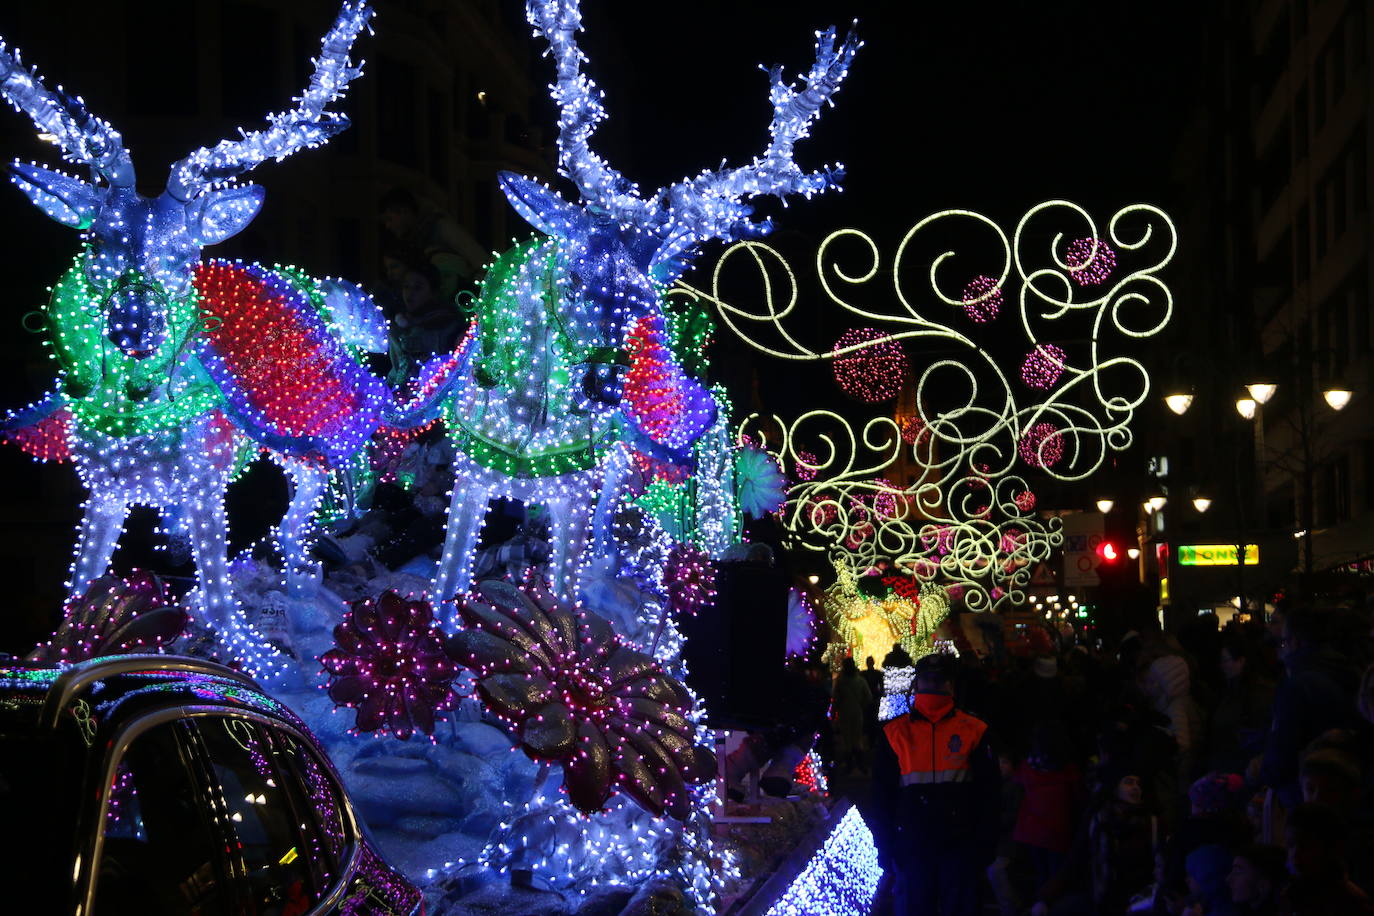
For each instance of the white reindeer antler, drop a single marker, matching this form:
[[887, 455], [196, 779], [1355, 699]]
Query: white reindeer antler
[[82, 137], [710, 205], [309, 124]]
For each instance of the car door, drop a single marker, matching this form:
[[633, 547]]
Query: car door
[[221, 814]]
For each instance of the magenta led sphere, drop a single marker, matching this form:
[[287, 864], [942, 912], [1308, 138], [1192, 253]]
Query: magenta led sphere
[[982, 299], [1090, 261], [1042, 446], [1043, 367], [873, 374]]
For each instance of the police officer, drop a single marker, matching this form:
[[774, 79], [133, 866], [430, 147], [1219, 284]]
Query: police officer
[[937, 791]]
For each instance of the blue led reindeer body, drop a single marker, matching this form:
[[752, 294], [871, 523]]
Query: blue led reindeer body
[[144, 391], [539, 408]]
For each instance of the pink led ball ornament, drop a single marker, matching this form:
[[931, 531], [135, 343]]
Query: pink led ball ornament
[[1090, 261], [1043, 367], [1025, 500], [1042, 446], [982, 299], [874, 373]]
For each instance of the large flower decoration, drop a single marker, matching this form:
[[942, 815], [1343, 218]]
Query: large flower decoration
[[115, 617], [758, 482], [572, 694], [390, 664], [690, 580]]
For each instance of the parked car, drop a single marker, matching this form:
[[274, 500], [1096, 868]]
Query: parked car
[[159, 785]]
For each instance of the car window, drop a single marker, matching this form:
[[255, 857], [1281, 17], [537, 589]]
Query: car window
[[217, 815], [157, 851], [275, 851]]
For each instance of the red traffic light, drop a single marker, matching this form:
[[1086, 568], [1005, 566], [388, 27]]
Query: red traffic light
[[1108, 551]]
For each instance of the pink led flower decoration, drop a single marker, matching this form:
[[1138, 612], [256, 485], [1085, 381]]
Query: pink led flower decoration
[[390, 664], [982, 299], [690, 580], [1042, 446], [1090, 261], [955, 592], [1025, 500], [572, 694], [805, 466], [874, 373], [1043, 367], [115, 617]]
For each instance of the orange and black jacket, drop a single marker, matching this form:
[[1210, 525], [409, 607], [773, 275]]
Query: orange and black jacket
[[936, 782]]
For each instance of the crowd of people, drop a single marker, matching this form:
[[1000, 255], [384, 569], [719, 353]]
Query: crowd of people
[[1218, 771]]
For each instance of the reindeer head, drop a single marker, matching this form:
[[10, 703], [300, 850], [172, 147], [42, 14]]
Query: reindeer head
[[140, 251], [623, 246]]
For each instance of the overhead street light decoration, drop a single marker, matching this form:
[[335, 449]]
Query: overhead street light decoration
[[1079, 298]]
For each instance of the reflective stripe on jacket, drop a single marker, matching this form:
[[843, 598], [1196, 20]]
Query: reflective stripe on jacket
[[934, 752]]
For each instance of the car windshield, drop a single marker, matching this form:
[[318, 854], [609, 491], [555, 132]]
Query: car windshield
[[38, 792]]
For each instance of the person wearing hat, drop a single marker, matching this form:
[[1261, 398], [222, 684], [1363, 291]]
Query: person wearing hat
[[937, 793]]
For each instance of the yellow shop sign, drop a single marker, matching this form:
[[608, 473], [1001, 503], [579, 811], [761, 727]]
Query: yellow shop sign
[[1215, 555]]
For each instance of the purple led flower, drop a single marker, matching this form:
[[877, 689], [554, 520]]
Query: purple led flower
[[1042, 445], [390, 664], [571, 693], [690, 580], [115, 617], [1043, 366], [1090, 261], [982, 299]]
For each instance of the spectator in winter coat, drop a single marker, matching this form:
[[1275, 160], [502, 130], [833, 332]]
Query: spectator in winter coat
[[1213, 820], [1256, 880], [1241, 718], [1317, 695], [1208, 894], [1166, 682], [852, 699], [1053, 798], [1316, 840]]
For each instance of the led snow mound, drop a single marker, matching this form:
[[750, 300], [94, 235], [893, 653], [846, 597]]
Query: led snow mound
[[841, 878]]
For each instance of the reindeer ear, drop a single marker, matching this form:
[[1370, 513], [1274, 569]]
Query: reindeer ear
[[541, 206], [218, 215], [70, 201]]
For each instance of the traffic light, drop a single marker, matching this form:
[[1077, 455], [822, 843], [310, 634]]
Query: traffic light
[[1110, 552]]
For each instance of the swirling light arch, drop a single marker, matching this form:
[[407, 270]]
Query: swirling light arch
[[966, 518]]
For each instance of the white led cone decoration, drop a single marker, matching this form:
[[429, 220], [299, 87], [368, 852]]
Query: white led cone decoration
[[965, 520], [167, 377]]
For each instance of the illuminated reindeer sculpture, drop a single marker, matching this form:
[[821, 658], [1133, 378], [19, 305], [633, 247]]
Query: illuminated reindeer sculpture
[[174, 369], [567, 369]]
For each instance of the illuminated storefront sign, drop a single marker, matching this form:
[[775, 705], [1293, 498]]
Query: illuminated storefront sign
[[1215, 555]]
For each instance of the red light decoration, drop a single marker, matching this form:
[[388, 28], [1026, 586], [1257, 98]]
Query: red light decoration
[[982, 299], [874, 373], [1043, 367], [669, 407], [1042, 445], [1090, 261], [571, 693], [277, 363], [389, 663], [45, 440], [1025, 500]]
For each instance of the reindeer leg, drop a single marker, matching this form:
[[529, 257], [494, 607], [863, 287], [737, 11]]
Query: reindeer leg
[[569, 518], [96, 541], [297, 531], [613, 473], [467, 512]]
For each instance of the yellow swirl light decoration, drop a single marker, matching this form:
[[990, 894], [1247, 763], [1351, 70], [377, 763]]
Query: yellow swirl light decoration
[[964, 519]]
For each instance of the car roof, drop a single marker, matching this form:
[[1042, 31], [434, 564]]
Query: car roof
[[42, 697]]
